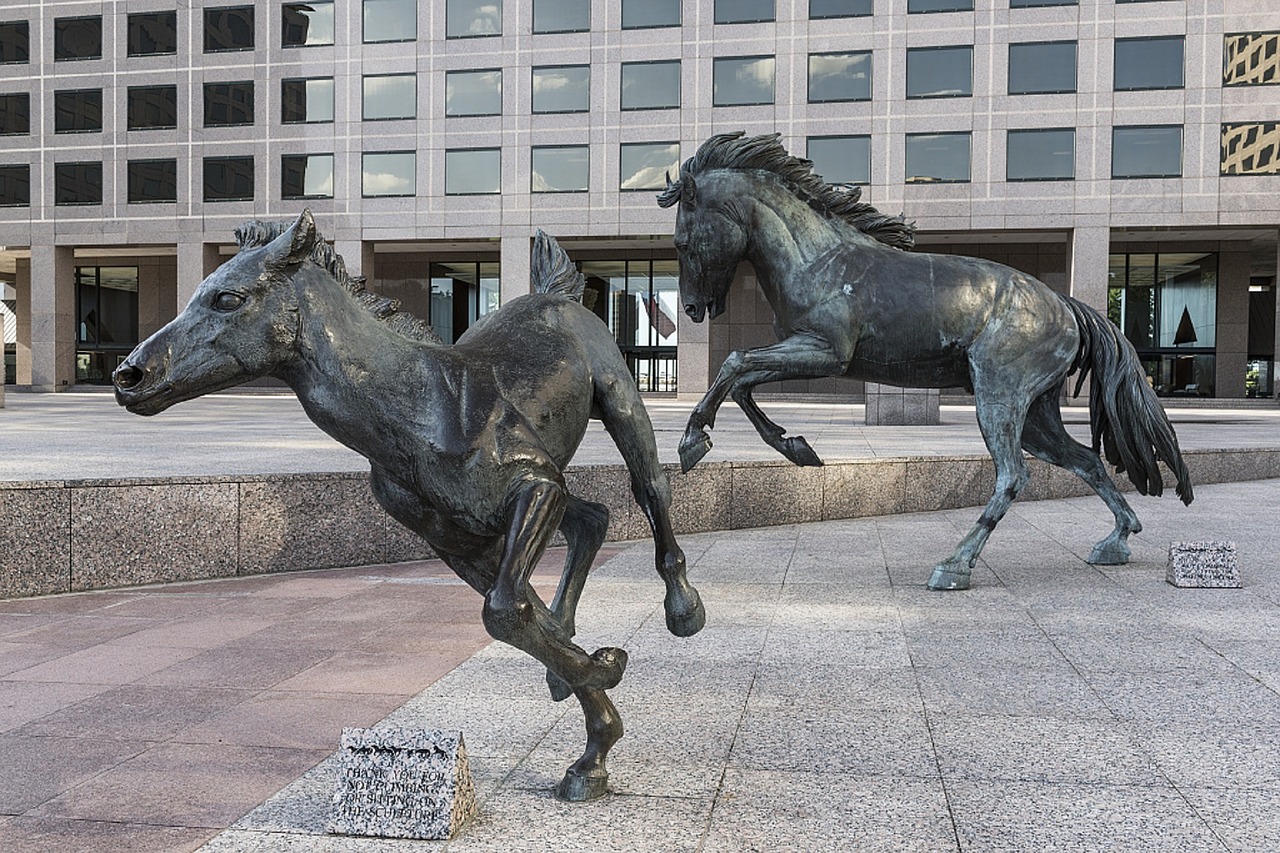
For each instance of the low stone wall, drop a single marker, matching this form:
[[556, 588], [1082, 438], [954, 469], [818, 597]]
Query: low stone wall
[[66, 536]]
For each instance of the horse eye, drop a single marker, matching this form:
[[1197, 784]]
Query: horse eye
[[228, 301]]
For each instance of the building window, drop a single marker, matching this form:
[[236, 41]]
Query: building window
[[840, 76], [1029, 4], [473, 93], [1038, 68], [841, 159], [152, 107], [839, 8], [15, 114], [561, 16], [152, 181], [77, 38], [15, 43], [451, 297], [639, 300], [642, 14], [940, 72], [228, 104], [390, 20], [306, 176], [1040, 155], [914, 6], [153, 33], [77, 183], [77, 111], [473, 171], [646, 165], [390, 96], [106, 320], [229, 28], [306, 101], [1249, 59], [1146, 152], [562, 89], [1251, 149], [1167, 306], [742, 81], [935, 158], [561, 169], [388, 173], [651, 85], [307, 24], [743, 11], [15, 186], [228, 179], [472, 18], [1148, 63]]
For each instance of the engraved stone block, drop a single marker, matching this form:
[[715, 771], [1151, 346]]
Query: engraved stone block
[[402, 783], [1203, 564]]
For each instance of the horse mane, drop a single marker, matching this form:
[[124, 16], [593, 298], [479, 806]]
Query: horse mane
[[256, 233], [740, 152]]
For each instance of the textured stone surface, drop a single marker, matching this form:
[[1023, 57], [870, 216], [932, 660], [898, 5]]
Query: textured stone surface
[[933, 484], [888, 405], [402, 783], [860, 488], [35, 541], [780, 493], [610, 485], [702, 499], [309, 522], [1203, 564]]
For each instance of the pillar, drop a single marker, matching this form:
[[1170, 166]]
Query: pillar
[[195, 262], [53, 318], [1275, 351], [514, 258], [1233, 321], [1088, 265], [357, 257], [22, 286]]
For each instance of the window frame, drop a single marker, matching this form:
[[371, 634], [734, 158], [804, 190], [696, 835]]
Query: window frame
[[206, 162], [929, 180], [284, 100], [481, 149], [1075, 68], [58, 109], [871, 10], [1182, 65], [449, 33], [1025, 132], [533, 89], [533, 159], [284, 24], [968, 8], [364, 97], [937, 49], [229, 85], [623, 147], [855, 100], [129, 31], [25, 28], [413, 158], [678, 22], [129, 180], [622, 69], [128, 107], [18, 99], [304, 196], [717, 11], [581, 29], [462, 72], [400, 37], [9, 172], [210, 11], [87, 178], [1266, 128], [721, 61], [828, 137], [1182, 141], [59, 37]]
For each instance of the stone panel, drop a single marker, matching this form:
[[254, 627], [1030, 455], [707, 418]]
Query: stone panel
[[309, 522], [611, 486], [768, 493], [137, 534], [857, 489], [702, 499], [404, 545], [35, 541], [948, 482]]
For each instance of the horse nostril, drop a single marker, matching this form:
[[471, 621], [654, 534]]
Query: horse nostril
[[127, 376], [691, 309]]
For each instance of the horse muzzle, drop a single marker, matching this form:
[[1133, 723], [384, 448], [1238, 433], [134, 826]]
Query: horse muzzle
[[138, 391]]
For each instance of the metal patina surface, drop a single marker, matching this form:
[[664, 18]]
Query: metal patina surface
[[849, 299], [467, 443]]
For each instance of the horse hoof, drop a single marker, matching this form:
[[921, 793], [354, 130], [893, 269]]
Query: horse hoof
[[560, 689], [798, 451], [1109, 554], [577, 788], [610, 664], [687, 620], [692, 449], [945, 577]]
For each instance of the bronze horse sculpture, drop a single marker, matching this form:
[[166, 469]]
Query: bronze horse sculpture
[[849, 300], [467, 443]]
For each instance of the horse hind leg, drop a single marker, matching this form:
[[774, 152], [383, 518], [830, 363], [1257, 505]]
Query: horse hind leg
[[588, 777], [584, 526]]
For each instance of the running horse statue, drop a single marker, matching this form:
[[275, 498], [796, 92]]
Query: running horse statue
[[849, 300], [467, 443]]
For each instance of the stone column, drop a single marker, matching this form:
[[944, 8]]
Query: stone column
[[357, 256], [1088, 264], [1233, 321], [514, 258], [693, 357], [53, 318], [22, 285], [196, 261], [1275, 345]]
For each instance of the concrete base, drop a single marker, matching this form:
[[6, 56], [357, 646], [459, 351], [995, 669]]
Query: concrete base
[[888, 405]]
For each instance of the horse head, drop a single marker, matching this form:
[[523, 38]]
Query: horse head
[[242, 323], [710, 241]]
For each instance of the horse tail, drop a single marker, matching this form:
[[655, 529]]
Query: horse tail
[[1127, 420], [551, 271]]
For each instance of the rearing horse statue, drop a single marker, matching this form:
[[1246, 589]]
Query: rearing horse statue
[[850, 301], [467, 444]]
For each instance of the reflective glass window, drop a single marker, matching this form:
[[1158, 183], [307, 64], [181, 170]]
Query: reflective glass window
[[388, 173], [77, 183], [841, 159], [15, 185], [645, 165], [153, 33], [390, 20], [227, 104], [456, 295], [306, 176], [228, 179], [77, 111], [1040, 155], [641, 14], [306, 101], [1149, 63], [651, 85], [15, 42], [15, 114], [473, 171], [1251, 59], [228, 28], [1251, 148], [390, 96], [106, 309], [307, 24], [77, 38], [561, 16], [1146, 152], [940, 72], [472, 18], [742, 80], [743, 11], [152, 181], [840, 8], [561, 169], [639, 300], [840, 76], [562, 89], [938, 158], [1042, 67], [1028, 4], [914, 6], [473, 93], [151, 107]]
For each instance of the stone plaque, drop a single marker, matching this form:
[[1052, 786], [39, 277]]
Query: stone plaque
[[1203, 564], [402, 783]]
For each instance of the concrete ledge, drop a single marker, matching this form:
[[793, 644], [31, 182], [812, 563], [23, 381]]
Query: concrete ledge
[[62, 536]]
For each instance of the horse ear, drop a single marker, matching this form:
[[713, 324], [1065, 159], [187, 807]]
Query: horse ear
[[302, 238], [688, 191]]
